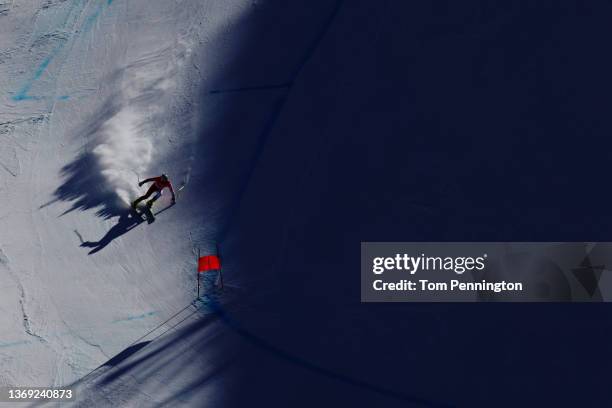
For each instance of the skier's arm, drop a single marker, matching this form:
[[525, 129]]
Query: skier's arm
[[172, 191], [146, 181]]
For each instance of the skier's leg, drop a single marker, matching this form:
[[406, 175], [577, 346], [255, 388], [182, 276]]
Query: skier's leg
[[155, 197], [135, 202], [150, 191]]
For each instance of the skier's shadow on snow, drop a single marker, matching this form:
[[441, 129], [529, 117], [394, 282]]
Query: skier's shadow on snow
[[127, 221]]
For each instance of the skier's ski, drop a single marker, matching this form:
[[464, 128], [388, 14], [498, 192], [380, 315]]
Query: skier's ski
[[144, 212]]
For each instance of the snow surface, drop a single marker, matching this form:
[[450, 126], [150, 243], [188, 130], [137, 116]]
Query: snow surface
[[95, 95], [300, 130]]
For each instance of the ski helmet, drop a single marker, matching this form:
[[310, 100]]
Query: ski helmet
[[164, 177]]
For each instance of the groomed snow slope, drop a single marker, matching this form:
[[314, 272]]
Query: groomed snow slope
[[95, 95], [408, 121]]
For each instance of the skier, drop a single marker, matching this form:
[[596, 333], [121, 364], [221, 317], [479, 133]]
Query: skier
[[159, 183]]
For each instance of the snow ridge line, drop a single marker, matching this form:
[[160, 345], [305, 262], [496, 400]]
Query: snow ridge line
[[4, 261], [5, 167], [5, 7], [26, 320], [31, 119], [84, 340]]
